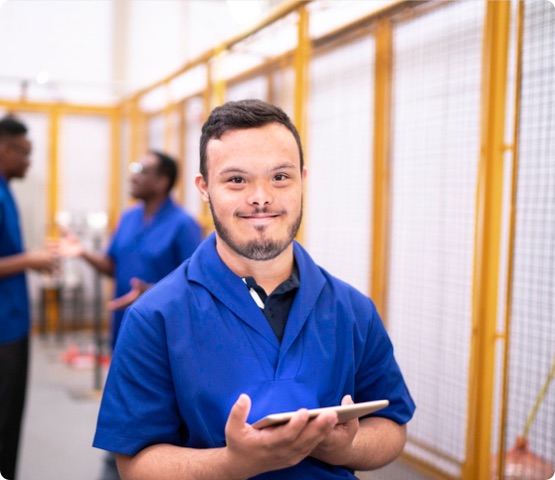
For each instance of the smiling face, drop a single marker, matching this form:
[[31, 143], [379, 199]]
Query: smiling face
[[254, 188]]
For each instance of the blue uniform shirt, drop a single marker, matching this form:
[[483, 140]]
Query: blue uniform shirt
[[14, 300], [197, 340], [150, 250]]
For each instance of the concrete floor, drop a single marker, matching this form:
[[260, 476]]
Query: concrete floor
[[60, 418], [60, 415]]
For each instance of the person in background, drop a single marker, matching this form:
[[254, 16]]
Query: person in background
[[250, 326], [152, 239], [15, 321]]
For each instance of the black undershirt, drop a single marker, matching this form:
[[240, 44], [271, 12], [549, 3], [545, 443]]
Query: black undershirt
[[278, 304]]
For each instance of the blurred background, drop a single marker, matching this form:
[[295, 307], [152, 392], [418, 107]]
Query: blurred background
[[429, 130]]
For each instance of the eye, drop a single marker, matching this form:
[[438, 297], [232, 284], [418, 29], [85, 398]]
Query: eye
[[236, 180], [280, 177]]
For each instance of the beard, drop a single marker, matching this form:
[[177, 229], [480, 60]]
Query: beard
[[262, 248]]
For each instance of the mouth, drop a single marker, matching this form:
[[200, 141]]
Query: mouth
[[260, 218]]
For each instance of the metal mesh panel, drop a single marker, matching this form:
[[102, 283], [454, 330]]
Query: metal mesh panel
[[339, 160], [282, 91], [532, 342], [436, 133]]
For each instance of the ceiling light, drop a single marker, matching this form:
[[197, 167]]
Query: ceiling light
[[42, 77]]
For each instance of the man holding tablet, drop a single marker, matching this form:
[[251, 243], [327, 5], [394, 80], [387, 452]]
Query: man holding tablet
[[250, 326]]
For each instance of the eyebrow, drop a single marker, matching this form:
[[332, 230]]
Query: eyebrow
[[229, 170]]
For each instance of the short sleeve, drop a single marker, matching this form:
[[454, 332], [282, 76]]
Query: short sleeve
[[378, 375], [138, 405]]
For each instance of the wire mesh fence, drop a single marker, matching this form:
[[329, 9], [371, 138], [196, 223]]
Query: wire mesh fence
[[530, 422]]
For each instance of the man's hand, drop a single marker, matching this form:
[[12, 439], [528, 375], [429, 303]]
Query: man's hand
[[44, 261], [334, 449], [70, 246], [255, 451], [138, 287]]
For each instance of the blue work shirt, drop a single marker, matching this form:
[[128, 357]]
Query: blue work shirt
[[150, 249], [197, 340], [15, 319]]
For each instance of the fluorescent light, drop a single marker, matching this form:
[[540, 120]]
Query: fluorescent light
[[42, 77]]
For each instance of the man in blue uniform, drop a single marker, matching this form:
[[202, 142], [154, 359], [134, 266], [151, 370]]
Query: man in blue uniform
[[152, 238], [249, 326], [15, 151]]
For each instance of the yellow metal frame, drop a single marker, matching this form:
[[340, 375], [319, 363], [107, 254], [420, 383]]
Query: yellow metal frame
[[381, 177], [53, 183], [487, 243], [425, 468], [55, 111], [488, 213], [115, 169], [301, 65], [511, 245]]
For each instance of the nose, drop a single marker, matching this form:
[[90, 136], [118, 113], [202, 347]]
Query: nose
[[260, 195]]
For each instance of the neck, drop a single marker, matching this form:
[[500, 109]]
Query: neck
[[153, 204], [6, 177], [268, 273]]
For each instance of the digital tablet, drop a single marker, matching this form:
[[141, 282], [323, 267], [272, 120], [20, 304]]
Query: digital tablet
[[344, 413]]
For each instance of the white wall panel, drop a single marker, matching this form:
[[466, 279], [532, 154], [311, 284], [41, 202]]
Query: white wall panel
[[84, 164]]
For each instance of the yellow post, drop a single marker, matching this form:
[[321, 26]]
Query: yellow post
[[134, 131], [53, 183], [217, 80], [487, 243], [382, 138], [115, 169], [511, 244], [302, 56]]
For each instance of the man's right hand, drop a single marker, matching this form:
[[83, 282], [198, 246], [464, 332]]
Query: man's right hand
[[256, 451], [138, 287], [70, 246]]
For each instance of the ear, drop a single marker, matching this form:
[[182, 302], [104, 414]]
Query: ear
[[202, 186], [4, 156], [163, 183]]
